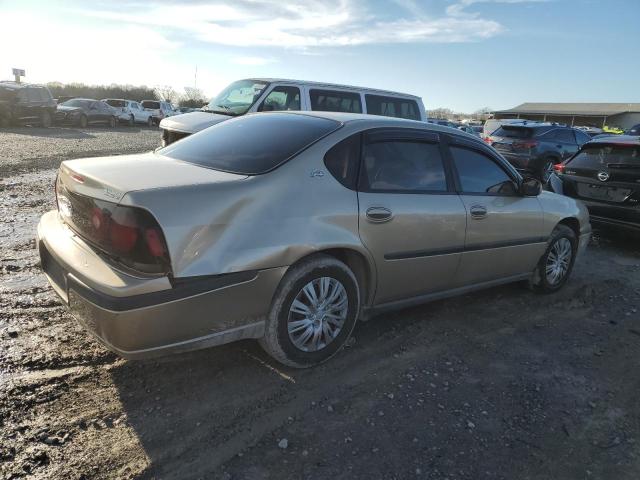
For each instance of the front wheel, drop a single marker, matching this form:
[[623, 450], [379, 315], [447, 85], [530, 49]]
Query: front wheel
[[555, 266], [313, 312]]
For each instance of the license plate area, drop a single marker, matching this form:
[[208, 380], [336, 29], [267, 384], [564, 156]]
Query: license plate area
[[54, 271], [602, 192]]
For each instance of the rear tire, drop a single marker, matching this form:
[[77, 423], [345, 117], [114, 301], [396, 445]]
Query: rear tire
[[555, 266], [149, 122], [311, 332], [45, 119]]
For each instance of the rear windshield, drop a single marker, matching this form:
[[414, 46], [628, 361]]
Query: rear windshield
[[600, 156], [513, 132], [150, 104], [116, 103], [251, 145]]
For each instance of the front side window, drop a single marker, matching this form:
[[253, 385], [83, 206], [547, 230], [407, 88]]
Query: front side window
[[403, 166], [252, 144], [237, 98], [334, 101], [392, 107], [480, 174], [281, 98]]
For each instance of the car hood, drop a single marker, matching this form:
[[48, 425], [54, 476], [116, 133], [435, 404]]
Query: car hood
[[192, 122], [64, 108]]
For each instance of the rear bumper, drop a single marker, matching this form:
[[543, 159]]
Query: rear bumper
[[141, 318]]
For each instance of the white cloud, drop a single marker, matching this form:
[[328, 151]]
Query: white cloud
[[253, 61], [307, 24]]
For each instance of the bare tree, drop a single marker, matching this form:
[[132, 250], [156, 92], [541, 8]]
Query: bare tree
[[441, 113], [193, 97], [166, 93]]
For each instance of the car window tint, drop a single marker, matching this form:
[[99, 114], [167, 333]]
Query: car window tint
[[480, 174], [392, 107], [513, 132], [581, 137], [599, 157], [403, 166], [281, 98], [331, 101], [251, 144], [565, 136], [342, 161]]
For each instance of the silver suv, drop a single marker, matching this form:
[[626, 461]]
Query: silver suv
[[319, 220]]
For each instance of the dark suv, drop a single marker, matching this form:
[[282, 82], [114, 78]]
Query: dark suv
[[536, 147], [605, 175], [23, 103]]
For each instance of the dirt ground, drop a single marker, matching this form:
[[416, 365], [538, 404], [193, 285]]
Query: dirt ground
[[501, 384]]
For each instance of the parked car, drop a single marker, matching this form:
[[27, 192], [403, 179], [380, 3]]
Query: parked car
[[471, 130], [130, 111], [186, 110], [605, 176], [25, 104], [83, 112], [63, 98], [320, 219], [158, 109], [535, 147], [635, 130], [269, 95], [443, 122], [591, 131]]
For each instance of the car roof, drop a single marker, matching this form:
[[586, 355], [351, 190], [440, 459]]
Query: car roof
[[14, 85], [332, 85], [616, 140], [375, 121]]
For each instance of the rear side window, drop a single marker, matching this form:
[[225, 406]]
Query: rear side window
[[403, 166], [252, 144], [513, 132], [480, 174], [342, 161], [392, 107], [598, 157], [334, 101]]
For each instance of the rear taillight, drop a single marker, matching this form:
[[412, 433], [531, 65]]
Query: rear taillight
[[559, 168], [487, 140], [130, 235]]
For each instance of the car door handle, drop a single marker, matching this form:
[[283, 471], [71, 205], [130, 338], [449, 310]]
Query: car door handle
[[478, 212], [379, 214]]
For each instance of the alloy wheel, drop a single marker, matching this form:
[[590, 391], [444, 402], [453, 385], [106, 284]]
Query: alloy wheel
[[558, 261], [317, 314], [547, 170]]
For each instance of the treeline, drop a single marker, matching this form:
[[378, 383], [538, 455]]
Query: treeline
[[130, 92]]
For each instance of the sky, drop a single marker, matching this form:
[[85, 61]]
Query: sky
[[458, 54]]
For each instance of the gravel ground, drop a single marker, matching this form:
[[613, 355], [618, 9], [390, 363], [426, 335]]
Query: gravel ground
[[500, 384], [22, 149]]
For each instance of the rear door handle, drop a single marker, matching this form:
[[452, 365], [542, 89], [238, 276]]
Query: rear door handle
[[379, 214], [478, 212]]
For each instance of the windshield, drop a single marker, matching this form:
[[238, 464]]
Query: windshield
[[77, 103], [237, 98], [599, 156], [252, 144]]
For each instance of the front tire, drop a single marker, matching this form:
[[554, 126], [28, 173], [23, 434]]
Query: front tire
[[555, 266], [313, 312]]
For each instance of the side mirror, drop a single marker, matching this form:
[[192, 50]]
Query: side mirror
[[530, 187]]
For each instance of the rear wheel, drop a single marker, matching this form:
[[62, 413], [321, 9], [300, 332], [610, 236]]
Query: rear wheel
[[45, 119], [149, 122], [556, 264], [546, 169], [313, 312]]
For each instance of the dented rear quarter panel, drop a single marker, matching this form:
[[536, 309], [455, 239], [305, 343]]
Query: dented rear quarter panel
[[260, 222]]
